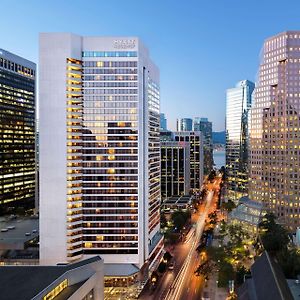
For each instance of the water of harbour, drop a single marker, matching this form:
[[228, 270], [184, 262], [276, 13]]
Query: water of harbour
[[219, 158]]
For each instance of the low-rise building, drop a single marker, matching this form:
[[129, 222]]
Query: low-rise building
[[248, 213], [176, 203], [78, 281], [267, 281], [19, 238]]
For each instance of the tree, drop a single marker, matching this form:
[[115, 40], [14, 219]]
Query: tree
[[223, 171], [162, 267], [273, 236], [179, 218], [212, 175], [289, 260], [213, 218], [228, 206], [226, 273], [275, 239], [163, 220], [205, 269], [203, 193], [167, 256], [241, 271]]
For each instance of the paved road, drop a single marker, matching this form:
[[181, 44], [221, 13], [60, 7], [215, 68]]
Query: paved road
[[181, 283], [185, 285]]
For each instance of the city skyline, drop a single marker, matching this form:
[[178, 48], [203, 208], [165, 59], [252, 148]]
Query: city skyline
[[149, 150], [171, 45]]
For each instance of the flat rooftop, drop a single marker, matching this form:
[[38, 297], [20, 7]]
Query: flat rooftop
[[25, 282], [18, 234], [178, 200]]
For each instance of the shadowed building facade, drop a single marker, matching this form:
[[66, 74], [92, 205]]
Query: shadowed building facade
[[17, 132]]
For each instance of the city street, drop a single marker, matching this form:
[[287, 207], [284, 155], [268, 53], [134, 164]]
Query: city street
[[181, 283]]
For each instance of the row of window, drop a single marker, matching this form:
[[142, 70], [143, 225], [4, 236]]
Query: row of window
[[109, 54], [110, 64]]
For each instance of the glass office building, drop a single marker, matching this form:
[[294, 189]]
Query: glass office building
[[275, 127], [175, 169], [238, 104], [195, 139], [163, 122], [17, 132], [184, 124]]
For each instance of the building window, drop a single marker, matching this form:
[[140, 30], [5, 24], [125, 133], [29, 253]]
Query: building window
[[57, 290], [109, 53]]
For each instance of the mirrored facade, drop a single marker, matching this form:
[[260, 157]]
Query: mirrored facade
[[238, 104]]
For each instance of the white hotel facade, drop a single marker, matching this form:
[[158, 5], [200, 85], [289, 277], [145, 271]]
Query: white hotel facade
[[99, 150]]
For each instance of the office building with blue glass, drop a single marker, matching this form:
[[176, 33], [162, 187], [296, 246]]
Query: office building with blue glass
[[238, 104]]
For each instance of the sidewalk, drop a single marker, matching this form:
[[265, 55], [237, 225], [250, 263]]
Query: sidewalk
[[214, 293]]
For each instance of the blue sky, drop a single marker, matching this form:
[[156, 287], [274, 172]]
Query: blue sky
[[201, 47]]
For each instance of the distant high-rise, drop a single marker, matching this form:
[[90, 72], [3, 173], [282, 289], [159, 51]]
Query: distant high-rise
[[184, 124], [17, 132], [175, 168], [238, 104], [275, 129], [163, 122], [203, 125], [195, 139], [99, 151]]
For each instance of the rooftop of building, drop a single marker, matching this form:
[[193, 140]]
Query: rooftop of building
[[120, 270], [17, 59], [29, 281], [294, 286], [248, 211], [267, 282], [282, 33], [19, 231], [178, 200]]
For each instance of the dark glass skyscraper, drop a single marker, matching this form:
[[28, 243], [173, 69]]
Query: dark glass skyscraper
[[237, 118], [175, 168], [195, 139], [17, 131]]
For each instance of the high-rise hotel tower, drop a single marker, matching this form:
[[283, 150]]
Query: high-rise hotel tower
[[99, 150], [275, 129], [17, 132]]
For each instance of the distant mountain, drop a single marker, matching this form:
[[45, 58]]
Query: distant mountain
[[219, 137]]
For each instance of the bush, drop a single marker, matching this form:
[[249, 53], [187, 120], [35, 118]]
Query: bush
[[167, 256], [162, 267]]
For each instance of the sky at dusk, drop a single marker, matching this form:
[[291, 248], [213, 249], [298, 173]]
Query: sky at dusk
[[201, 47]]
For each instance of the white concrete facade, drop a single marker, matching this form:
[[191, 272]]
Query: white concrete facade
[[99, 149]]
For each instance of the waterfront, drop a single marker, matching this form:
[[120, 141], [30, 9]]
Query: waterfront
[[219, 158]]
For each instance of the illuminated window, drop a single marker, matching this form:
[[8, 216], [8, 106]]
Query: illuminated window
[[57, 290]]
